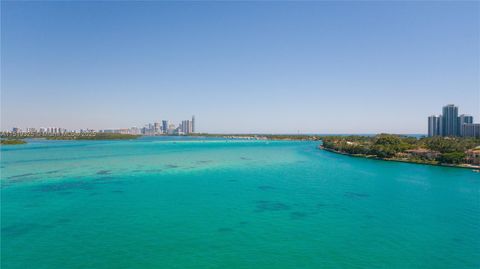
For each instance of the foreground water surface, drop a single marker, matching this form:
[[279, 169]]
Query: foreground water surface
[[212, 203]]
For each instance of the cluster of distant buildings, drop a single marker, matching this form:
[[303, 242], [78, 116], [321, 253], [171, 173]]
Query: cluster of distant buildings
[[185, 127], [165, 127], [49, 131], [450, 124]]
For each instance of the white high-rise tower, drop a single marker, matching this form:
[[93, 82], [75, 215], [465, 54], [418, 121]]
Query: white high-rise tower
[[193, 124]]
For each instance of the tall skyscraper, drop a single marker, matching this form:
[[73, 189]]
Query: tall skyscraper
[[434, 125], [464, 119], [156, 127], [450, 124], [186, 126], [165, 125], [193, 124]]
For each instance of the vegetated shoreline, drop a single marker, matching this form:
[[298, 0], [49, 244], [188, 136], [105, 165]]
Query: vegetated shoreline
[[454, 152], [95, 137], [101, 136], [12, 142], [372, 157], [280, 137], [19, 140]]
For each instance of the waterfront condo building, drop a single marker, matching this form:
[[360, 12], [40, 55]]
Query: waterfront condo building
[[435, 125], [450, 124], [471, 130], [156, 128], [193, 124], [165, 125], [186, 127], [464, 119]]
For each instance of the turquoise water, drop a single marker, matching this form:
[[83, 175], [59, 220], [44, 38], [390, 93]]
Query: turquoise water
[[193, 203]]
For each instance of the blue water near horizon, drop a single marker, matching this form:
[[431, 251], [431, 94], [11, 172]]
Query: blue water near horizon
[[183, 202]]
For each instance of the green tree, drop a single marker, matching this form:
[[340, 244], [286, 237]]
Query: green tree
[[452, 157]]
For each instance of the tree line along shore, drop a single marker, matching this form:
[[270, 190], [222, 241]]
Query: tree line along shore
[[260, 136], [447, 151], [14, 140], [8, 139], [18, 139]]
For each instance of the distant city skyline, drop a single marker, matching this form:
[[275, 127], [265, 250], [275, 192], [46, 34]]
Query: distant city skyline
[[163, 127], [240, 67]]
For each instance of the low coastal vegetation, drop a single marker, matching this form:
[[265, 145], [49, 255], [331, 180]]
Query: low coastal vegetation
[[96, 136], [261, 136], [74, 136], [12, 142], [429, 150]]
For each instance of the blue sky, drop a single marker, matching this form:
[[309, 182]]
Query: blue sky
[[271, 67]]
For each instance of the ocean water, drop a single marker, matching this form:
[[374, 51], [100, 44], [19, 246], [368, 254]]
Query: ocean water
[[213, 203]]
